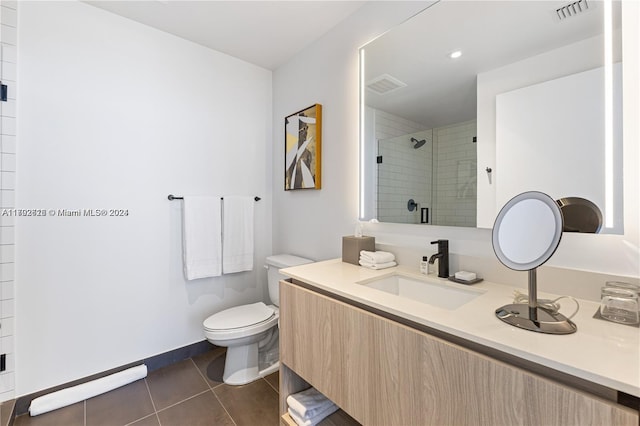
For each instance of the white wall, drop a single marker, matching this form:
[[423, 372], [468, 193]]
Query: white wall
[[556, 63], [311, 223], [114, 114]]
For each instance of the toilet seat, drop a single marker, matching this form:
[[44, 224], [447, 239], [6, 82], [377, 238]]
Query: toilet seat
[[241, 321]]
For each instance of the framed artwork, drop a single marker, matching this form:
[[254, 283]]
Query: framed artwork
[[302, 147]]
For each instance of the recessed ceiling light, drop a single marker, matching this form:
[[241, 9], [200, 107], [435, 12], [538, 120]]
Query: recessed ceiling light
[[455, 54]]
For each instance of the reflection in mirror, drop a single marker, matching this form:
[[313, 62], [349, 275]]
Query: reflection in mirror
[[524, 97], [526, 233], [580, 215]]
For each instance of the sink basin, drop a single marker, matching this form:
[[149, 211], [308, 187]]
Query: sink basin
[[442, 295]]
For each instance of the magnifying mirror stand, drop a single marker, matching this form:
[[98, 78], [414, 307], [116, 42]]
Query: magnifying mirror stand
[[534, 318]]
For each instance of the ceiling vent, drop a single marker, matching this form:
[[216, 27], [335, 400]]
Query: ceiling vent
[[384, 84], [572, 9]]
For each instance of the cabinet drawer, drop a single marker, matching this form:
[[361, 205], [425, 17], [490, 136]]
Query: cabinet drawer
[[385, 373]]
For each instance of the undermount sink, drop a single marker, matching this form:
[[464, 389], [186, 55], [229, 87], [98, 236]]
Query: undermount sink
[[442, 295]]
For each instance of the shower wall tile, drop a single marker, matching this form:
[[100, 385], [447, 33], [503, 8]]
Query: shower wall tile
[[6, 272], [9, 16], [7, 198], [8, 62], [8, 35], [7, 290], [6, 235], [8, 163], [8, 144], [6, 309], [9, 126], [6, 254], [8, 109], [456, 175], [402, 168], [9, 71], [7, 180], [406, 173], [7, 327], [9, 53]]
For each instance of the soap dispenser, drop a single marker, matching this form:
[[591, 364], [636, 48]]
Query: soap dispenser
[[424, 265]]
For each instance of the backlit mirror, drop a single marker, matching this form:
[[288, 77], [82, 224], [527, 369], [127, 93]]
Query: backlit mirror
[[470, 103]]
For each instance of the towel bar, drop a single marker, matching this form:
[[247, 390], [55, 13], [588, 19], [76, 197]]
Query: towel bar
[[172, 197]]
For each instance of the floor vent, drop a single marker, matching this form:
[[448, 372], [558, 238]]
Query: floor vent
[[384, 84], [572, 9]]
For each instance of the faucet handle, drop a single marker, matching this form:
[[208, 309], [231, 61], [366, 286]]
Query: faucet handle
[[442, 244]]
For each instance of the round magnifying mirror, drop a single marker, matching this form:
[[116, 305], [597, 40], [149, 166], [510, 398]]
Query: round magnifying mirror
[[527, 231], [580, 215], [525, 235]]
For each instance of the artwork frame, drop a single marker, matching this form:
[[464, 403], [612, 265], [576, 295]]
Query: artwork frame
[[303, 149]]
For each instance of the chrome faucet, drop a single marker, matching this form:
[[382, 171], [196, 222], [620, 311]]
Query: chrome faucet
[[443, 256]]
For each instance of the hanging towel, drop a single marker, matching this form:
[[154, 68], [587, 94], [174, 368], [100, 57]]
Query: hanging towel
[[201, 237], [237, 248], [377, 256]]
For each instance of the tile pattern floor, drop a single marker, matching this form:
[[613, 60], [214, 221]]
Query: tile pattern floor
[[189, 393]]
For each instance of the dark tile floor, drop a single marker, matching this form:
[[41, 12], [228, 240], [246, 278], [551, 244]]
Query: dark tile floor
[[189, 393]]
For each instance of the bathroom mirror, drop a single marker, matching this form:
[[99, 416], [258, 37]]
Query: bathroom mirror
[[446, 111], [525, 235]]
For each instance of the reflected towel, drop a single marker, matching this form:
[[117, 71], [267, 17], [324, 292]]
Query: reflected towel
[[377, 256], [201, 237], [314, 420], [308, 402], [237, 249], [377, 265]]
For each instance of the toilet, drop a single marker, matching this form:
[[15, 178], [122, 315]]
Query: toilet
[[250, 332]]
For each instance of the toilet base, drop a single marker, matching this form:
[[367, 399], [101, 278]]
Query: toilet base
[[241, 365]]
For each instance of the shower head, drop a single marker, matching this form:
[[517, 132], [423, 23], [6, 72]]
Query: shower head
[[418, 143]]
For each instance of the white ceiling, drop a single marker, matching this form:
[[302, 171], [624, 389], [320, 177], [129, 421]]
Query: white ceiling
[[491, 34], [265, 33]]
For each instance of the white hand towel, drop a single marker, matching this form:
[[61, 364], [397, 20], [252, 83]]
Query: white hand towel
[[201, 237], [237, 248], [308, 402], [312, 421], [377, 256], [377, 265]]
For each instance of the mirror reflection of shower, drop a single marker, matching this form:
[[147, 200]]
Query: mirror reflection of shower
[[418, 143], [434, 167]]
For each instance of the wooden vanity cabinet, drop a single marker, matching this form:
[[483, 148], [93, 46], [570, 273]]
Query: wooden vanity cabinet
[[382, 372]]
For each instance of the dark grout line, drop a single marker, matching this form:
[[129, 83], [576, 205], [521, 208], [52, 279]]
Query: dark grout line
[[223, 407], [142, 418], [271, 386]]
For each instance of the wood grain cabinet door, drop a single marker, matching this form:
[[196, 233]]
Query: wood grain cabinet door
[[384, 373]]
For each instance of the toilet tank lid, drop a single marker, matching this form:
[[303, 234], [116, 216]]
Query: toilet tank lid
[[286, 260]]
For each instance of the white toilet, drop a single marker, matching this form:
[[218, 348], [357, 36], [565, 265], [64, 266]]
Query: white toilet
[[250, 332]]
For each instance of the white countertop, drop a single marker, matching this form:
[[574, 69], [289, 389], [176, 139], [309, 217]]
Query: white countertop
[[600, 351]]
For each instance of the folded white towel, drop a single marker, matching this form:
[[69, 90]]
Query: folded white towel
[[377, 265], [308, 402], [201, 237], [377, 256], [237, 250], [314, 420]]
